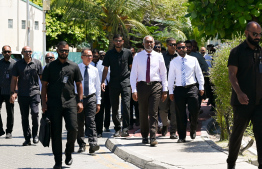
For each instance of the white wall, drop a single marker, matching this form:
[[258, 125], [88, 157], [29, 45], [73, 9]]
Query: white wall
[[16, 37]]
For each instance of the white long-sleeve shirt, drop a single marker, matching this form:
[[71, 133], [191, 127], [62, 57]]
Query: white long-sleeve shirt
[[100, 68], [192, 70], [157, 69], [94, 80]]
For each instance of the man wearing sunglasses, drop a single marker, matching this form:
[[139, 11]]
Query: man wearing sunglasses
[[6, 65], [49, 57], [27, 72], [184, 73], [245, 75], [168, 105], [157, 46]]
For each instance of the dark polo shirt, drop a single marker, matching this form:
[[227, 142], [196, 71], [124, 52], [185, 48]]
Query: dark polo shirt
[[28, 76], [57, 91], [167, 59], [6, 75], [201, 60], [119, 71], [248, 76]]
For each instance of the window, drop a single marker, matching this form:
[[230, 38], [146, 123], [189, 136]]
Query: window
[[10, 23], [23, 24], [36, 25]]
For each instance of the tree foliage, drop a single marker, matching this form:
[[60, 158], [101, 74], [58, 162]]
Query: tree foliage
[[223, 17]]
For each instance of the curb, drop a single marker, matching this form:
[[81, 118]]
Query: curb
[[137, 159]]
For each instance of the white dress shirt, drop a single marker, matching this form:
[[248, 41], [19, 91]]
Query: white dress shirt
[[192, 70], [94, 81], [100, 68], [157, 69]]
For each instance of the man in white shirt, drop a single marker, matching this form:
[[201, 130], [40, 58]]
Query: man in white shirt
[[148, 71], [184, 74], [91, 102]]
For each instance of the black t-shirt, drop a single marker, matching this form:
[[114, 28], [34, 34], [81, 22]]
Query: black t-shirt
[[61, 78], [248, 76], [119, 71], [28, 76], [168, 58], [6, 75]]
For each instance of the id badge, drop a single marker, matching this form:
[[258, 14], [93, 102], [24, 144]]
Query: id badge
[[260, 67], [65, 79], [7, 76]]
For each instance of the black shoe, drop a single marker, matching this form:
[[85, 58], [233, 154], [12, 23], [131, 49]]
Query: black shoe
[[82, 149], [173, 136], [181, 141], [117, 134], [193, 134], [144, 140], [131, 127], [35, 140], [94, 148], [106, 130], [68, 160], [2, 133], [125, 134], [153, 142], [8, 136], [231, 166], [99, 135], [57, 166], [164, 130], [27, 143]]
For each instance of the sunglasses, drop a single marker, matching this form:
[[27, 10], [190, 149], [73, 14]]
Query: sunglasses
[[182, 47], [62, 51], [157, 47], [5, 52], [27, 51], [49, 57], [172, 44], [255, 34]]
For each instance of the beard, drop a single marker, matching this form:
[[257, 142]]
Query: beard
[[254, 42], [62, 57], [149, 49]]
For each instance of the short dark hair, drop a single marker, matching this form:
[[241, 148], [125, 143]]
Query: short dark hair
[[188, 41], [157, 42], [95, 51], [84, 49], [179, 42], [61, 43], [5, 46], [118, 36], [169, 39]]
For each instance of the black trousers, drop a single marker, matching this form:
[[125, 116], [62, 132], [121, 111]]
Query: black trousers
[[56, 111], [10, 113], [148, 100], [87, 118], [107, 107], [135, 104], [182, 97], [26, 102], [209, 91], [242, 116], [125, 100]]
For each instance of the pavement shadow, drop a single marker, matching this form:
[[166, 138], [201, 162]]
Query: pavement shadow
[[10, 145], [45, 154]]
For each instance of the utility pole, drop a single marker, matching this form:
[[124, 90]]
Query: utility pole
[[46, 7], [28, 23]]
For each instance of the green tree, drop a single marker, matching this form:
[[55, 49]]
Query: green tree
[[223, 17]]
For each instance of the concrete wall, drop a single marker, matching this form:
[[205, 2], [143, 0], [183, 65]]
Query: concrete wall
[[16, 37]]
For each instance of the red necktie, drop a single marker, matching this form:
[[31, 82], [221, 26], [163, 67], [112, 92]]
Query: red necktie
[[148, 68]]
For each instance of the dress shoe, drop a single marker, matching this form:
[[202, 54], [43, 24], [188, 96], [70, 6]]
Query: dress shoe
[[231, 166], [144, 140], [2, 133], [57, 166], [164, 130], [125, 133], [94, 148], [153, 142], [35, 140], [117, 134], [99, 135], [181, 141], [8, 136], [107, 129], [173, 136], [27, 143], [68, 160], [82, 149], [193, 134]]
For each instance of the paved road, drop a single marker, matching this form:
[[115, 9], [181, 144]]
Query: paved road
[[14, 155]]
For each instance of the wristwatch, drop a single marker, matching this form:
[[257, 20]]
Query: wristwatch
[[81, 101]]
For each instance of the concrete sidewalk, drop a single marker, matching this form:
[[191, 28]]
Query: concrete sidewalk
[[200, 153]]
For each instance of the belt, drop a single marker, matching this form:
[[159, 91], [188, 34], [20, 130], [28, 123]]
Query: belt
[[85, 97], [188, 86], [150, 83]]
